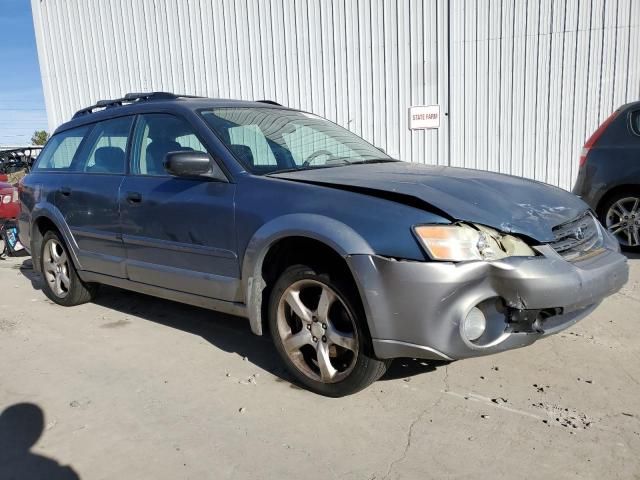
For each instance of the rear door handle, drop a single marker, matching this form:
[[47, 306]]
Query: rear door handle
[[134, 197], [66, 191]]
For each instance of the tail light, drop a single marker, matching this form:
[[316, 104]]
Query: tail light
[[595, 136]]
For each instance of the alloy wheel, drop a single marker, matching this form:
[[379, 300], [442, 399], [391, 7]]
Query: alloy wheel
[[55, 266], [623, 221], [317, 331]]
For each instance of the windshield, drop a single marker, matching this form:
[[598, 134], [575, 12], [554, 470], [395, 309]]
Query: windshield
[[270, 140]]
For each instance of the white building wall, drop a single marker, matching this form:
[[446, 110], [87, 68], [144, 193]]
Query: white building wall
[[530, 81], [527, 81], [359, 63]]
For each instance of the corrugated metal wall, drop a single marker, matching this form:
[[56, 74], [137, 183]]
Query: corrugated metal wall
[[359, 63], [527, 81], [530, 81]]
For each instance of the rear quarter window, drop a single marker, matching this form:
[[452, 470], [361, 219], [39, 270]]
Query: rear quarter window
[[60, 150]]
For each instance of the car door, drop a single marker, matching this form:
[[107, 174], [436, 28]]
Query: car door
[[178, 232], [48, 175], [88, 196]]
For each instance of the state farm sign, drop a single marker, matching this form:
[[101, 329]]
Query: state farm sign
[[422, 117]]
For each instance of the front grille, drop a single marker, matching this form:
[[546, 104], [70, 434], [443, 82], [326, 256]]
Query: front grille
[[577, 237]]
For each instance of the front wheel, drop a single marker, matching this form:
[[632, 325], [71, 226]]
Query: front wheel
[[61, 281], [320, 333]]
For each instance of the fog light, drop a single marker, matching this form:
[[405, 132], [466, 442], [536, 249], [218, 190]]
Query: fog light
[[474, 325]]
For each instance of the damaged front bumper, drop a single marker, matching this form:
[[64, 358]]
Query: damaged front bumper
[[417, 309]]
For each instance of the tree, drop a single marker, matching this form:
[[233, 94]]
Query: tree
[[39, 137]]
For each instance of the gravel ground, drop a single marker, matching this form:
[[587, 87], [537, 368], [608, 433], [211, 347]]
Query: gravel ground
[[137, 387]]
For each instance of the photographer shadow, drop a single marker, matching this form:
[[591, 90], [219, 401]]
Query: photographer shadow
[[21, 425]]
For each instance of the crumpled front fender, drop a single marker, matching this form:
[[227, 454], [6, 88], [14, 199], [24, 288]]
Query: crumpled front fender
[[336, 235]]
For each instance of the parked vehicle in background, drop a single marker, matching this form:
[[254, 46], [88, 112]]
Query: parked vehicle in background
[[9, 204], [348, 257], [15, 163], [609, 175]]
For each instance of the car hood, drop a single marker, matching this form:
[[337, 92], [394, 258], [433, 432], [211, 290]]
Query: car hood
[[506, 203]]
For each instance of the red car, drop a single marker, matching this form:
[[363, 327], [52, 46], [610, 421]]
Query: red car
[[9, 206]]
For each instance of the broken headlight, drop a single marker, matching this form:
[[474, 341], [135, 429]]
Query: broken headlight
[[461, 242]]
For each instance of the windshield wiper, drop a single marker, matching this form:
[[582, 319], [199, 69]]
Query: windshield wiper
[[374, 160], [336, 162], [300, 169]]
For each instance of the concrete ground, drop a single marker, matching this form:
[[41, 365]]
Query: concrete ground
[[134, 387]]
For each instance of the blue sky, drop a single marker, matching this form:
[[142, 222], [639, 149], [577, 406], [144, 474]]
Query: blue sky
[[21, 101]]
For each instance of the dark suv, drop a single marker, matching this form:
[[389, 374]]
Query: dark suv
[[349, 257], [609, 175]]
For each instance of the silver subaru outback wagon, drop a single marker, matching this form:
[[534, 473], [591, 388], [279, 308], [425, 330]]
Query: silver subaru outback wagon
[[346, 256]]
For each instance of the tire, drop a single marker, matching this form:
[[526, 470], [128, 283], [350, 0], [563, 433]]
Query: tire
[[62, 284], [612, 212], [319, 329]]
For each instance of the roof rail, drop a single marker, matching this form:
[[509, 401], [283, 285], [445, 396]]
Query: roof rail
[[128, 99], [270, 102]]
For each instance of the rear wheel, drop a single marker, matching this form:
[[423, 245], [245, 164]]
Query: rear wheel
[[320, 333], [61, 282], [620, 214]]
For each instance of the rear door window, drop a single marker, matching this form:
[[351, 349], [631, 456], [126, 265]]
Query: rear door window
[[61, 149], [104, 151]]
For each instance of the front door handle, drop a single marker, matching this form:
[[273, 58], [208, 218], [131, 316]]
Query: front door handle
[[66, 191], [134, 197]]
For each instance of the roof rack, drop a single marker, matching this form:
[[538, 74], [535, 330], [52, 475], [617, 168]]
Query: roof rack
[[270, 102], [128, 99]]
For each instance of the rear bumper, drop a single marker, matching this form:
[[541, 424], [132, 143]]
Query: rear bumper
[[416, 308]]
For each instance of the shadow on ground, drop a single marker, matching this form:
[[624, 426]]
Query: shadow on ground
[[20, 428], [229, 333], [409, 367]]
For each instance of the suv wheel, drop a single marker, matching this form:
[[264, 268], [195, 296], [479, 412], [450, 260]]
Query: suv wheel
[[318, 331], [61, 282], [620, 214]]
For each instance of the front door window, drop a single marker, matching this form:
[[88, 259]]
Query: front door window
[[156, 135]]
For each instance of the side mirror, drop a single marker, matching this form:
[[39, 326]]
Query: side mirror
[[190, 164]]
